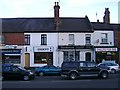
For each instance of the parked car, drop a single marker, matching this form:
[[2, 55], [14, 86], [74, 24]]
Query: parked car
[[74, 69], [11, 71], [114, 67], [48, 70]]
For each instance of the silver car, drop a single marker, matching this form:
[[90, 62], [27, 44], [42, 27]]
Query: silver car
[[114, 67]]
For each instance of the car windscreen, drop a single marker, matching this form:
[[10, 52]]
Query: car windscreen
[[21, 68]]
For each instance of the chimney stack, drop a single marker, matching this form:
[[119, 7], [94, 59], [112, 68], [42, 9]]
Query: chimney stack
[[56, 12], [106, 18]]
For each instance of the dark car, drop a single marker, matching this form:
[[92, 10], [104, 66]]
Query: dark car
[[48, 70], [73, 69], [10, 71]]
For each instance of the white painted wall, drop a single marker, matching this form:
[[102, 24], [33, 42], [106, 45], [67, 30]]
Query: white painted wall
[[35, 40], [63, 39], [79, 38], [97, 35]]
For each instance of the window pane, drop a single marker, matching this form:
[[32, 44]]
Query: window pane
[[12, 59], [88, 39], [2, 39], [65, 56], [71, 38], [27, 39], [43, 39], [104, 38]]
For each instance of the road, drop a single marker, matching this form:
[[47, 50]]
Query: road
[[62, 82]]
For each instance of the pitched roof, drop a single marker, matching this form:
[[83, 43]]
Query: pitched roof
[[45, 25], [27, 24], [101, 26], [75, 24]]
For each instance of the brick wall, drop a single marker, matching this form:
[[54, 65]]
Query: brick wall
[[14, 38]]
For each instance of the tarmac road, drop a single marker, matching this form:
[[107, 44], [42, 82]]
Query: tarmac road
[[61, 82]]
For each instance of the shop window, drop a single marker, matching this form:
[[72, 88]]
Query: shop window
[[43, 39], [71, 39], [65, 56], [71, 56], [105, 56], [104, 38], [27, 39], [12, 59], [43, 57], [88, 39]]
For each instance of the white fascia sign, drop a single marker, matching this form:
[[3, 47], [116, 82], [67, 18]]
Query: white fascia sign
[[43, 49], [106, 49]]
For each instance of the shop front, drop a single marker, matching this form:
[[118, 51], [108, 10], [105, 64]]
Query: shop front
[[106, 53], [43, 55], [11, 56], [76, 53]]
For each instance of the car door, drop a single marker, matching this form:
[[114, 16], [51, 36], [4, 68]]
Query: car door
[[7, 72], [15, 73], [92, 69], [45, 69], [53, 70], [82, 69]]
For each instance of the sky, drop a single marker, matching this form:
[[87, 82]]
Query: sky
[[94, 9]]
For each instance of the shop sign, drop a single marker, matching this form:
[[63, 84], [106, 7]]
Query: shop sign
[[106, 49], [43, 49], [11, 51], [75, 47]]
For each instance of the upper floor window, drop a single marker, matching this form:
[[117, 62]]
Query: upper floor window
[[88, 39], [27, 39], [71, 39], [2, 39], [104, 38], [43, 39]]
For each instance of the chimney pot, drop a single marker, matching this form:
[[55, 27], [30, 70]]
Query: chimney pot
[[55, 3], [106, 18], [56, 12]]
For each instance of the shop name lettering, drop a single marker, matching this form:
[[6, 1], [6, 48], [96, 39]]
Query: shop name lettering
[[106, 49], [43, 49], [11, 51]]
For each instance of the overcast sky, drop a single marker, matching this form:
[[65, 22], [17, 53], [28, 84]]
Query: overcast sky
[[68, 8]]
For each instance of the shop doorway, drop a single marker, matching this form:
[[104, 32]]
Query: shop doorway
[[88, 56], [27, 60]]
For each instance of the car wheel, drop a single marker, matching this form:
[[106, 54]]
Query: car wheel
[[26, 78], [41, 74], [73, 75], [113, 71], [104, 75]]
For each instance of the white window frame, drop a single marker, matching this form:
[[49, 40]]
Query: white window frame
[[104, 38], [88, 39], [71, 39]]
